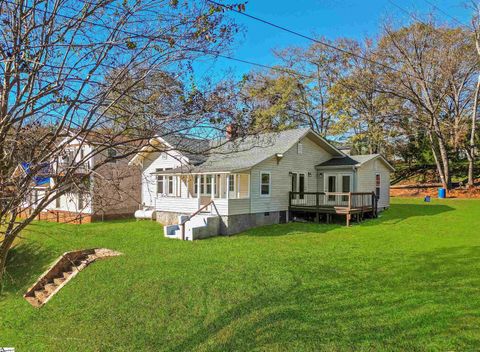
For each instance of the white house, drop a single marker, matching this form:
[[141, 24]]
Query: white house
[[255, 181], [110, 191]]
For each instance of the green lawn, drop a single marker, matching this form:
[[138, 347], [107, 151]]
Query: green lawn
[[409, 280]]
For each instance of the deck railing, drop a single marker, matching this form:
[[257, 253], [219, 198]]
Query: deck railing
[[349, 200]]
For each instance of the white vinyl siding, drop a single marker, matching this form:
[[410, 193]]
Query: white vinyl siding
[[366, 180], [150, 197], [281, 182]]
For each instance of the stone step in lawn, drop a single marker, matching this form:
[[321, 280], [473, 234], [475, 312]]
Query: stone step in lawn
[[63, 270]]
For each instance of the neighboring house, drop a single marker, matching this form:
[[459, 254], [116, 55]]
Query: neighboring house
[[110, 191], [40, 182], [254, 181]]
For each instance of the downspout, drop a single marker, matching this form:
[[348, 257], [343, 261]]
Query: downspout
[[355, 189]]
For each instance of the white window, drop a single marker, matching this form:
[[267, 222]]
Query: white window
[[300, 148], [378, 182], [164, 156], [195, 185], [208, 184], [231, 183], [265, 184], [165, 184], [170, 189], [159, 182]]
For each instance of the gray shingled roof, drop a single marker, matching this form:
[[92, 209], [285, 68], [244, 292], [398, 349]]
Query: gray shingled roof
[[244, 153], [193, 148], [348, 160]]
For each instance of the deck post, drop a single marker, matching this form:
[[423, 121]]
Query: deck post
[[183, 231], [348, 218]]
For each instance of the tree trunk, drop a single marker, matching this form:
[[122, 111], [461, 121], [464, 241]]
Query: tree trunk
[[471, 147], [440, 169], [4, 248], [443, 154]]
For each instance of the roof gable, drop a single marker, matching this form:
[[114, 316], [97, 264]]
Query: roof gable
[[244, 153], [354, 161]]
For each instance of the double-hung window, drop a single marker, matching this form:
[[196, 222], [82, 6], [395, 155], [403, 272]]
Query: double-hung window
[[160, 186], [231, 183], [165, 184], [170, 185], [208, 184], [265, 184]]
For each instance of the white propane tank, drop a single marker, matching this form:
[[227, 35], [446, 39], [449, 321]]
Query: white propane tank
[[147, 214]]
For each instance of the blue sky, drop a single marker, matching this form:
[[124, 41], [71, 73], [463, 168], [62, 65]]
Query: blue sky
[[329, 18]]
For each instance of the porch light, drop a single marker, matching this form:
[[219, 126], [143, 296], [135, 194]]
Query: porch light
[[309, 174], [290, 173], [279, 157]]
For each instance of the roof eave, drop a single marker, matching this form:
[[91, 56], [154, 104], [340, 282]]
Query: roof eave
[[327, 167], [333, 150]]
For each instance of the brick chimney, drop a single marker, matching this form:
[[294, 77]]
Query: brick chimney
[[231, 132]]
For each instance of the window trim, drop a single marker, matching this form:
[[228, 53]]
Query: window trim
[[269, 184], [378, 186], [160, 179], [170, 186], [231, 183]]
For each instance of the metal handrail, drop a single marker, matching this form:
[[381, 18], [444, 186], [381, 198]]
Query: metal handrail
[[182, 224]]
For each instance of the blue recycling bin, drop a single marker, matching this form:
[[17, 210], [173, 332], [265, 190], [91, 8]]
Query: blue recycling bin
[[442, 193]]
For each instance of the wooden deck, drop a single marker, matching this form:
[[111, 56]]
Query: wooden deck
[[352, 204]]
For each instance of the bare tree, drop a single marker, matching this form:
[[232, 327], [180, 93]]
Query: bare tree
[[471, 149], [428, 69], [55, 58]]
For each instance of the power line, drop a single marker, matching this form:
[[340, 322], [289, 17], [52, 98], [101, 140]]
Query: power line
[[328, 45], [447, 14], [209, 53]]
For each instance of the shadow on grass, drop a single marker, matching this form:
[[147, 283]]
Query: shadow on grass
[[25, 263], [289, 229], [425, 299], [396, 214]]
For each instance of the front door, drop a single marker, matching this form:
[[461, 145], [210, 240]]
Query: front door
[[331, 187], [338, 183], [346, 186], [298, 185]]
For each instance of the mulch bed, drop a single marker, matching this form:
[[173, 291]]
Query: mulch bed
[[422, 191]]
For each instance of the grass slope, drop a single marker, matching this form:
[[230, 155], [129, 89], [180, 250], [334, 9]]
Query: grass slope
[[406, 281]]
